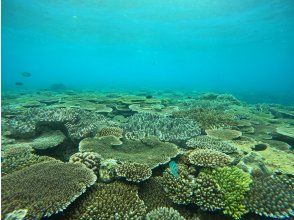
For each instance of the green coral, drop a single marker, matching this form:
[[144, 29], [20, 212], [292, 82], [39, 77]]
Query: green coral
[[164, 213], [116, 200], [152, 153], [134, 172], [208, 158], [272, 196], [234, 183], [45, 188], [208, 194]]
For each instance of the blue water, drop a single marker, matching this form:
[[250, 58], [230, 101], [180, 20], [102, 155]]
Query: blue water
[[244, 46]]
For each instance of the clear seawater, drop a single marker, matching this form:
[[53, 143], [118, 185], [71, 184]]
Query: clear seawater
[[114, 108], [239, 46]]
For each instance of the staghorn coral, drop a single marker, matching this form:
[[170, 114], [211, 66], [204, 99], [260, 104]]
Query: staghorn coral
[[152, 193], [234, 183], [45, 188], [206, 142], [115, 200], [179, 189], [271, 196], [207, 118], [165, 128], [208, 158], [164, 213], [115, 131], [90, 159], [134, 172], [17, 158], [208, 194], [150, 152]]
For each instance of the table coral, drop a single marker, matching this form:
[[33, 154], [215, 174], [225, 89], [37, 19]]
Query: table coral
[[165, 128], [45, 188], [115, 200]]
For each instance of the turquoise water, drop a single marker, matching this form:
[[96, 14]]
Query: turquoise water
[[239, 46]]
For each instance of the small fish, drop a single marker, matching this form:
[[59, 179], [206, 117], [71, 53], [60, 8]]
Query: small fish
[[174, 168], [19, 84], [26, 74]]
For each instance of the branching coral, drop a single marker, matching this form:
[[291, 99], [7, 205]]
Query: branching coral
[[45, 188], [165, 128], [152, 193], [179, 189], [272, 196], [206, 142], [134, 172], [208, 158], [234, 183], [90, 159], [115, 200], [164, 213]]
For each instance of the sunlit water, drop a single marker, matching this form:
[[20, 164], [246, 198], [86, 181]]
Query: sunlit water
[[239, 46]]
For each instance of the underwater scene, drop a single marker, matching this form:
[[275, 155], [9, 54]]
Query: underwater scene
[[147, 110]]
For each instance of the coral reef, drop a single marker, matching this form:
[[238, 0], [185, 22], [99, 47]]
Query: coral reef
[[234, 183], [208, 158], [206, 142], [134, 172], [165, 128], [149, 151], [48, 140], [164, 213], [152, 193], [206, 118], [17, 158], [208, 194], [77, 122], [19, 214], [271, 196], [45, 188], [107, 171], [115, 200], [90, 159], [179, 189], [115, 131], [224, 134]]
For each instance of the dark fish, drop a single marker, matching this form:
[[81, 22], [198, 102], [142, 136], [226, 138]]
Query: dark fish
[[19, 84], [26, 74]]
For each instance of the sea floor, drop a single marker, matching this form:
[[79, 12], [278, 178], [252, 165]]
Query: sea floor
[[145, 155]]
